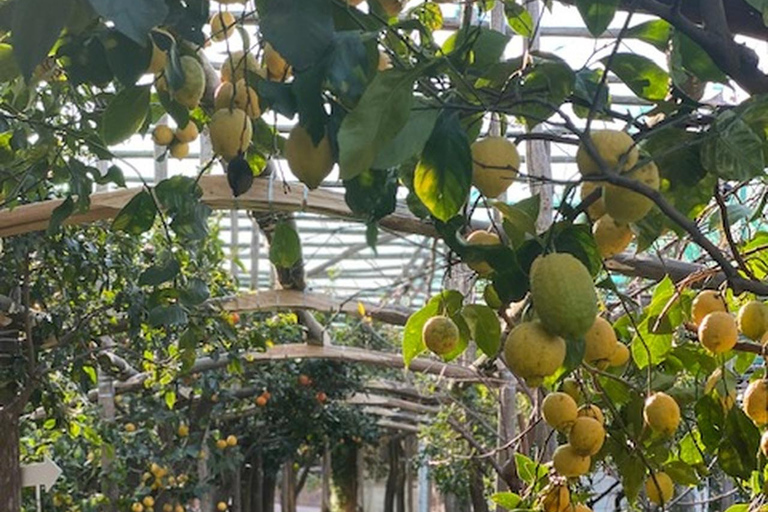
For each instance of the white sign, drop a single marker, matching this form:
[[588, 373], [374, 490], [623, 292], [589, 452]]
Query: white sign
[[40, 474]]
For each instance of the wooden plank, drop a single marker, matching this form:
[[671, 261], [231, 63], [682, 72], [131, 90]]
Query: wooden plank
[[269, 300], [263, 196]]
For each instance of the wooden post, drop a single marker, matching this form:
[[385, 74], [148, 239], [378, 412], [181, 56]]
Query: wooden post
[[106, 390], [325, 503], [206, 500], [288, 488]]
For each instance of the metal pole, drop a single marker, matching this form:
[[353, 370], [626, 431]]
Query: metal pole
[[37, 497]]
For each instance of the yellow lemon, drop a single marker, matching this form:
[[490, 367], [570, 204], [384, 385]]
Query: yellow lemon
[[610, 236], [659, 488], [756, 401], [559, 410], [568, 463], [231, 132], [705, 303], [620, 355], [597, 208], [718, 332], [162, 135], [495, 164], [753, 319], [613, 146], [480, 237], [625, 205], [532, 353], [586, 436], [661, 413], [440, 335], [592, 411], [310, 163], [222, 25], [600, 343]]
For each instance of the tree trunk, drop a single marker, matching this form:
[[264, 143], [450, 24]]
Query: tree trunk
[[10, 468], [288, 488], [345, 483], [477, 490], [393, 490], [268, 492]]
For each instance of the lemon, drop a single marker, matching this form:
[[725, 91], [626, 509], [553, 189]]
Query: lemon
[[480, 237], [571, 387], [223, 96], [620, 355], [495, 163], [187, 134], [231, 440], [236, 65], [756, 401], [137, 507], [568, 463], [661, 413], [277, 68], [310, 163], [753, 319], [705, 303], [179, 150], [532, 353], [148, 501], [157, 61], [247, 99], [190, 93], [559, 410], [626, 206], [592, 411], [659, 488], [221, 506], [231, 132], [440, 335], [130, 427], [563, 295], [610, 236], [725, 392], [162, 135], [586, 436], [183, 431], [600, 343], [222, 25], [597, 208], [718, 332], [613, 146], [221, 444], [556, 499]]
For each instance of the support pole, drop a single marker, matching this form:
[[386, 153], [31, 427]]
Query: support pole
[[106, 390]]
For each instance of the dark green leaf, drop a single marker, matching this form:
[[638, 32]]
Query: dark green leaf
[[178, 112], [8, 67], [239, 175], [681, 473], [653, 32], [443, 175], [285, 247], [381, 113], [127, 58], [587, 88], [762, 7], [195, 293], [742, 439], [35, 28], [278, 96], [136, 21], [519, 219], [410, 140], [137, 216], [372, 194], [60, 214], [692, 58], [733, 151], [113, 175], [167, 316], [550, 82], [347, 65], [282, 20], [574, 355], [125, 114], [518, 18], [484, 328], [308, 90], [577, 240], [710, 420], [159, 274], [597, 14], [642, 75], [177, 192]]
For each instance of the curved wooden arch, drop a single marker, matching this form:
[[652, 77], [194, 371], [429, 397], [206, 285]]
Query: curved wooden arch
[[264, 195]]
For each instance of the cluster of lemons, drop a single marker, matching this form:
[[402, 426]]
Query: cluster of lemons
[[177, 141], [161, 478], [229, 442]]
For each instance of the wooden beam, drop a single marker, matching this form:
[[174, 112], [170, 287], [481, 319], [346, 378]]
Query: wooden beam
[[333, 353], [216, 194], [371, 400], [269, 300]]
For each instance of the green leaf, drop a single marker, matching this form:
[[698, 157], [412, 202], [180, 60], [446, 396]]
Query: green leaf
[[381, 113], [681, 473], [127, 58], [170, 399], [740, 507], [740, 445], [484, 47], [710, 420], [430, 15], [589, 90], [484, 328], [597, 14], [178, 112], [136, 21], [167, 316], [285, 248], [125, 114], [447, 302], [443, 175], [113, 175], [137, 216], [281, 21], [278, 96], [648, 348], [762, 7], [176, 192], [574, 355], [519, 219], [348, 60], [35, 27], [689, 56], [60, 214], [507, 500], [577, 239], [8, 67], [653, 32], [744, 361], [159, 274], [372, 194], [410, 140], [691, 448], [518, 18], [549, 82], [195, 293], [529, 470], [733, 151], [643, 76]]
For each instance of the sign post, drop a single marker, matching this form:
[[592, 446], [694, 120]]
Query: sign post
[[40, 474]]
